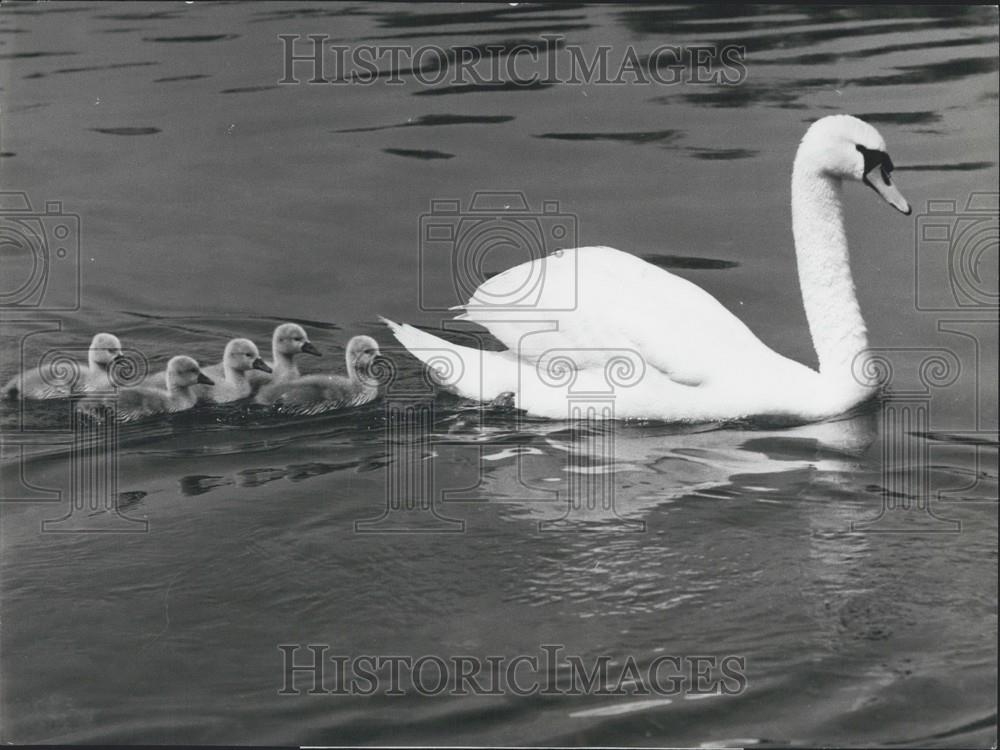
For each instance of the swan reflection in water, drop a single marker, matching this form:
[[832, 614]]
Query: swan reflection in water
[[596, 472], [633, 538]]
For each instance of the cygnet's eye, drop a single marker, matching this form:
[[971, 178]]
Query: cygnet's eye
[[111, 351]]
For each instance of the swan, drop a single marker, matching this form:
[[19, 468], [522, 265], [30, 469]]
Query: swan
[[660, 345], [230, 375], [288, 340], [314, 393], [51, 381], [182, 376]]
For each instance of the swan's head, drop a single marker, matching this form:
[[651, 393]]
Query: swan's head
[[361, 352], [183, 372], [242, 355], [289, 339], [847, 148], [105, 348]]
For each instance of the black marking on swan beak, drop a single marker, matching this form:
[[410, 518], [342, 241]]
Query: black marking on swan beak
[[308, 348], [876, 159], [879, 160], [203, 379], [259, 364]]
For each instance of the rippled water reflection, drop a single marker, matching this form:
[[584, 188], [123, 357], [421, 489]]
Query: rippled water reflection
[[215, 203]]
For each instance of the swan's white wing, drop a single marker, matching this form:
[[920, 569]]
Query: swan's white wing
[[598, 300]]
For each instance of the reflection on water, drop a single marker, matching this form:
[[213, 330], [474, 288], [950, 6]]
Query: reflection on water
[[245, 203]]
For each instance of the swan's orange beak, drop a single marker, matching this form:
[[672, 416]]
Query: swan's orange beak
[[878, 179]]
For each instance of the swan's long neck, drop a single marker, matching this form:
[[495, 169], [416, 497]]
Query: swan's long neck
[[838, 331]]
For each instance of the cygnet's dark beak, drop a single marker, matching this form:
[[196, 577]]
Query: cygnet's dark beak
[[203, 379], [259, 364], [308, 348]]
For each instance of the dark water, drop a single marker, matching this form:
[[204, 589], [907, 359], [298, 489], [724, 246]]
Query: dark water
[[214, 202]]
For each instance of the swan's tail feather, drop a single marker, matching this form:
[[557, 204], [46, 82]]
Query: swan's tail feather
[[471, 373], [393, 326]]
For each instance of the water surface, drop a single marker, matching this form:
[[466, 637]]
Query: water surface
[[215, 202]]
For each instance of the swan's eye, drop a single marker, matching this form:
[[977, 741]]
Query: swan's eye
[[875, 158]]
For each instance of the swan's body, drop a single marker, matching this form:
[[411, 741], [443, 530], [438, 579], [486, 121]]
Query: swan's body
[[62, 378], [288, 340], [602, 326], [239, 359], [314, 393], [182, 375]]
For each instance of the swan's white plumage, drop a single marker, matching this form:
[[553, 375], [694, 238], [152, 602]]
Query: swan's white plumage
[[695, 360], [618, 302], [472, 373], [627, 309]]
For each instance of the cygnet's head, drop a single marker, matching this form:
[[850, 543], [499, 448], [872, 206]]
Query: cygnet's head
[[847, 148], [242, 355], [105, 348], [183, 372], [289, 339], [361, 352]]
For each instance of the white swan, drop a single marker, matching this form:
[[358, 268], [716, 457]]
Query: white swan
[[677, 354], [288, 340], [182, 376], [314, 393], [62, 378], [230, 375]]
